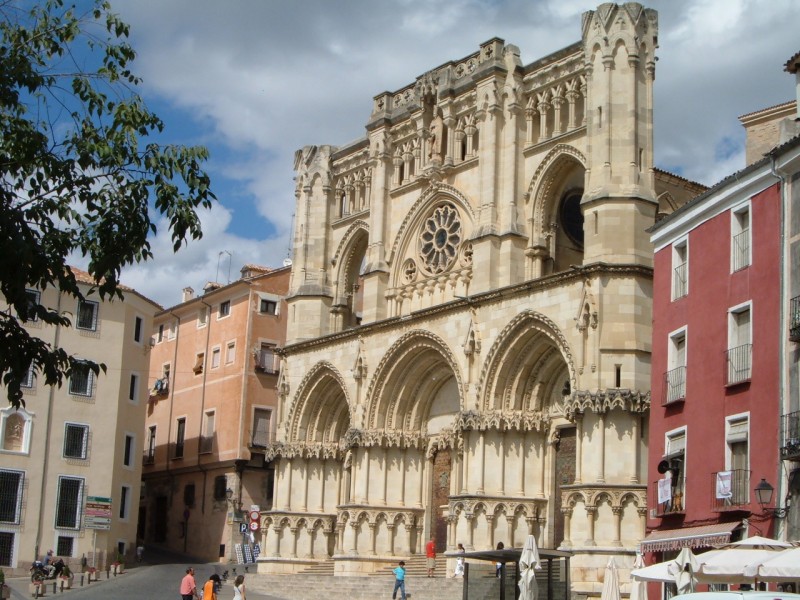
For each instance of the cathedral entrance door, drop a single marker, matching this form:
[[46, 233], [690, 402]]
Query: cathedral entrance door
[[440, 497]]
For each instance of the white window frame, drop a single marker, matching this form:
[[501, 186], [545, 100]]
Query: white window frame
[[680, 250], [202, 317], [20, 491], [216, 357], [78, 507], [26, 430], [137, 339], [95, 315], [224, 314], [271, 413], [273, 368], [266, 297], [736, 420], [672, 452], [734, 340], [152, 441], [173, 329], [737, 229], [230, 353], [132, 454], [37, 299], [84, 453], [206, 436]]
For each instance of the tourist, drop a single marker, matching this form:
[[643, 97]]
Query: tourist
[[430, 554], [498, 566], [238, 588], [399, 580], [188, 585], [459, 571], [211, 587]]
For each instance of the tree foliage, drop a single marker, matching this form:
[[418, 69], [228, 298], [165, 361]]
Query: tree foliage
[[76, 177]]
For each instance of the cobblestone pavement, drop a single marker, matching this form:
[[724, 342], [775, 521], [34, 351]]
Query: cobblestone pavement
[[142, 582]]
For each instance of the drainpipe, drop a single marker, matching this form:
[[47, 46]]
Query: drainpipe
[[207, 360], [783, 484], [173, 377], [48, 424]]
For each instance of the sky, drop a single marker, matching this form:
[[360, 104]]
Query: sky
[[255, 80]]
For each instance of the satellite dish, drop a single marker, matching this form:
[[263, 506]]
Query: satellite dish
[[663, 467]]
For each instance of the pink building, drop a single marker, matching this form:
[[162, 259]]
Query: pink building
[[214, 372], [720, 337]]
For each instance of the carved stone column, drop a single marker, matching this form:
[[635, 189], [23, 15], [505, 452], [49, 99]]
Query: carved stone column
[[601, 471], [567, 512], [470, 531], [409, 528], [340, 533], [274, 541], [578, 447], [543, 108], [558, 102], [353, 532], [591, 513], [490, 526], [635, 422], [293, 531], [521, 464], [617, 511], [572, 97], [502, 451], [287, 502], [322, 465], [465, 462], [421, 482], [304, 497], [481, 461], [403, 462], [373, 537], [510, 523], [384, 476], [390, 528]]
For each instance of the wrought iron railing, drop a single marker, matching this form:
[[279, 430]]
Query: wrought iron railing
[[206, 444], [148, 457], [675, 489], [790, 440], [177, 450], [730, 490], [740, 362], [259, 438], [674, 385], [741, 250], [680, 281]]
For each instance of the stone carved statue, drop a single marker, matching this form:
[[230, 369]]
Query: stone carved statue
[[436, 139]]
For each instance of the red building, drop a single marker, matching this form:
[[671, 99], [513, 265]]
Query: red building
[[720, 329]]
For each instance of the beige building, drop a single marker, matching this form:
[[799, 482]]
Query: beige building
[[468, 346], [72, 453], [213, 392]]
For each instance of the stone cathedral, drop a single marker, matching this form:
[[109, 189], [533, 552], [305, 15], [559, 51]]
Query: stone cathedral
[[468, 349]]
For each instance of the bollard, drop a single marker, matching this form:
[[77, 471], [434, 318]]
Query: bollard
[[81, 579], [55, 588], [108, 572], [62, 586]]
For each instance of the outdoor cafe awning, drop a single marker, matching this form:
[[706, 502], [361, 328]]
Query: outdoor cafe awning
[[508, 555], [703, 536]]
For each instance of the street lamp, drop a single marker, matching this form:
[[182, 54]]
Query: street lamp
[[764, 493]]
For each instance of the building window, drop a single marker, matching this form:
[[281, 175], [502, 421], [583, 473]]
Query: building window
[[675, 377], [133, 388], [7, 548], [11, 496], [198, 363], [268, 307], [207, 439], [215, 358], [124, 502], [173, 330], [150, 457], [680, 269], [738, 458], [65, 546], [69, 503], [740, 347], [220, 487], [230, 353], [76, 441], [202, 317], [160, 336], [81, 380], [224, 309], [28, 381], [262, 418], [740, 238], [14, 430], [137, 330], [87, 315], [670, 488], [127, 451], [33, 297], [266, 358], [180, 437], [188, 494]]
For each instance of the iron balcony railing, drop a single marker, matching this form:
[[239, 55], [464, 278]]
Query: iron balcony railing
[[149, 457], [206, 444], [794, 319], [259, 438], [674, 385], [741, 250], [730, 490], [675, 492], [790, 428], [679, 281], [176, 450], [740, 362]]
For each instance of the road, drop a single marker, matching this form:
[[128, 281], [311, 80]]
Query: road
[[146, 581]]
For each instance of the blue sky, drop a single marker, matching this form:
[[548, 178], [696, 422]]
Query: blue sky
[[255, 80]]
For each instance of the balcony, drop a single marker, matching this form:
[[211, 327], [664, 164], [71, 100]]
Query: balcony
[[259, 438], [160, 387], [680, 281], [674, 386], [740, 362], [790, 438], [149, 457], [674, 491], [206, 444], [730, 490], [176, 450], [266, 361], [794, 319]]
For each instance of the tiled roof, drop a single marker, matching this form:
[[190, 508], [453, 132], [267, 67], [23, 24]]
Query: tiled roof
[[793, 63]]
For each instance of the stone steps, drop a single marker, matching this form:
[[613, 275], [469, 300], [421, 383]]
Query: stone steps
[[325, 587]]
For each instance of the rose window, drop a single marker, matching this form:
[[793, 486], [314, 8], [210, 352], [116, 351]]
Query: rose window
[[440, 239]]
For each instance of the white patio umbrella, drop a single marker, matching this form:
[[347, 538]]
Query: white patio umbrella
[[730, 562], [638, 587], [528, 562], [783, 566], [610, 582], [684, 570]]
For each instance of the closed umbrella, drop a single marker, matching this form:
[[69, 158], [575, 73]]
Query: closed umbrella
[[528, 562], [783, 566], [638, 587], [684, 569], [610, 582]]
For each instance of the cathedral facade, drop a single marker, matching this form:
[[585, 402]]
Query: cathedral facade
[[469, 318]]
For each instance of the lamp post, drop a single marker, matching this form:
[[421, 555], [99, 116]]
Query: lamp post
[[764, 492]]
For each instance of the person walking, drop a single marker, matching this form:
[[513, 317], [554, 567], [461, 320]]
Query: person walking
[[399, 580], [459, 570], [211, 586], [238, 588], [188, 585], [430, 555]]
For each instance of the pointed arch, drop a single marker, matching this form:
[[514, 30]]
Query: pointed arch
[[398, 402], [530, 348], [321, 410], [544, 185]]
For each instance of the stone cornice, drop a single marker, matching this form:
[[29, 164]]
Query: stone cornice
[[603, 401]]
